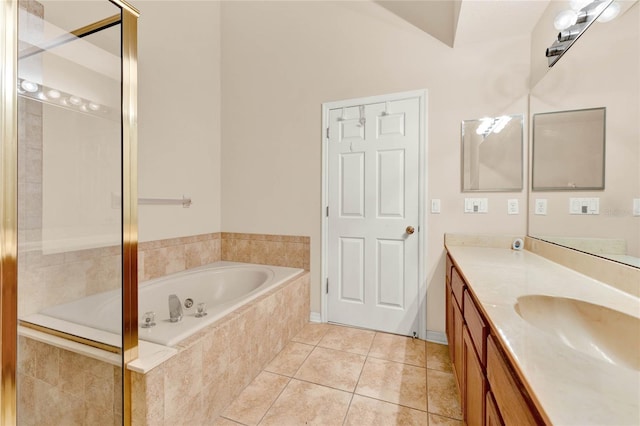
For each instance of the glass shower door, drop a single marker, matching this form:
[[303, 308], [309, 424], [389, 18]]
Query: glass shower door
[[71, 213]]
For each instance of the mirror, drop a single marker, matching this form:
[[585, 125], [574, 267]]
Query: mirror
[[600, 71], [492, 154], [568, 150]]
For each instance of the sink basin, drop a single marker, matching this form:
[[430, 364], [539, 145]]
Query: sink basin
[[595, 330]]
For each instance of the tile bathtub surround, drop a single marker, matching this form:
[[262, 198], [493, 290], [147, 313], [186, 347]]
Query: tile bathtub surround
[[277, 250], [57, 386], [309, 383], [217, 363], [163, 257]]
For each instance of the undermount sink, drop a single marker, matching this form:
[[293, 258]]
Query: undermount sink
[[595, 330]]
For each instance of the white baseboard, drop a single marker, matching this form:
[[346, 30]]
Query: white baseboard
[[436, 337], [315, 317]]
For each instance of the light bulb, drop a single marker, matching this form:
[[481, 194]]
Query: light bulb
[[565, 19], [29, 86], [53, 94], [610, 12], [74, 100]]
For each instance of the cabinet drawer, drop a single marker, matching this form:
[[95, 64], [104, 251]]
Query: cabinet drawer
[[457, 286], [477, 327], [511, 403]]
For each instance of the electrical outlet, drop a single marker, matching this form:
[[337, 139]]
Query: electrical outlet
[[541, 206], [512, 206], [435, 205]]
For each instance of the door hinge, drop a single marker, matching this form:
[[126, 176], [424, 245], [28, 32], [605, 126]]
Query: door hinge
[[327, 133], [327, 211], [327, 287]]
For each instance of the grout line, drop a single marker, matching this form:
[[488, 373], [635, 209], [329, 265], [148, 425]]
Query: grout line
[[346, 414], [275, 399]]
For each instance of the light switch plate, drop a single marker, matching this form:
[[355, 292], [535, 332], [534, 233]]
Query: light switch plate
[[512, 206], [435, 205], [476, 205], [584, 205], [636, 206], [541, 206]]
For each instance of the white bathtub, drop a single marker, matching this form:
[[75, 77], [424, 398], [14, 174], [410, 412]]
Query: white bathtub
[[223, 286]]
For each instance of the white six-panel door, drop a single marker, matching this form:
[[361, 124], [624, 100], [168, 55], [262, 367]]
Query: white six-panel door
[[373, 206]]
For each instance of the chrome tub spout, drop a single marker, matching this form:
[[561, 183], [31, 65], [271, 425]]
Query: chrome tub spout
[[175, 308]]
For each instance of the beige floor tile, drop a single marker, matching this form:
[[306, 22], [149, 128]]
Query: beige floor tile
[[443, 394], [303, 403], [398, 348], [221, 421], [347, 339], [254, 401], [394, 382], [311, 333], [332, 368], [289, 360], [438, 357], [372, 412], [435, 420]]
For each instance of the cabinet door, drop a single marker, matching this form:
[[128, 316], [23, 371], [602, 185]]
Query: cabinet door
[[449, 320], [458, 366], [493, 415], [474, 382], [510, 401]]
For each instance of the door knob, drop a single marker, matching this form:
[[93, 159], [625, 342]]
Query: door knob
[[410, 230]]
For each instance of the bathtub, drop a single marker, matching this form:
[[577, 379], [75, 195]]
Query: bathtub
[[222, 286]]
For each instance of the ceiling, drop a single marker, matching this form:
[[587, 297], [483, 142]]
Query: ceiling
[[460, 22]]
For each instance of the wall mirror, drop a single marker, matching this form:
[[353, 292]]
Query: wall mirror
[[492, 154], [568, 150], [600, 71]]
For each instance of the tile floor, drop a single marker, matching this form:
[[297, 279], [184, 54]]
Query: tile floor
[[334, 375]]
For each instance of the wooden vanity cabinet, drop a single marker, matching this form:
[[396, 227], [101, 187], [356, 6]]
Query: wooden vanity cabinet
[[490, 393]]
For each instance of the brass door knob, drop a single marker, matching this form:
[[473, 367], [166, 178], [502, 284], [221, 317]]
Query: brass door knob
[[410, 230]]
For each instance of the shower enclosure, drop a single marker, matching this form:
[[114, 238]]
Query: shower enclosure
[[68, 212]]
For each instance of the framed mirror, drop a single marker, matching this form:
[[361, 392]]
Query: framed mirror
[[568, 150], [492, 154]]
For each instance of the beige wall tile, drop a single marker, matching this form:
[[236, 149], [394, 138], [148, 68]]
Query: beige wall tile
[[183, 380]]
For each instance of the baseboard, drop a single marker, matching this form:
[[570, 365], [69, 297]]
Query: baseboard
[[436, 337], [315, 317]]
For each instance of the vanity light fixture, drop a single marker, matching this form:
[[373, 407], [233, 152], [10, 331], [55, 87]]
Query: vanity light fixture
[[572, 23], [30, 89], [492, 125]]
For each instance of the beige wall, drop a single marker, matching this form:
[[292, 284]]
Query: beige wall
[[281, 61], [179, 116], [600, 70]]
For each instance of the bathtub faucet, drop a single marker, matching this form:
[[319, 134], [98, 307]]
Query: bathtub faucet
[[175, 308]]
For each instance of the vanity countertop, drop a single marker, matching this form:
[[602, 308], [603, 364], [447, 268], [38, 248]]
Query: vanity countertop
[[570, 387]]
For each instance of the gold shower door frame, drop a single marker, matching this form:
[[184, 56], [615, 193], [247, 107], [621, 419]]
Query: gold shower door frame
[[9, 203]]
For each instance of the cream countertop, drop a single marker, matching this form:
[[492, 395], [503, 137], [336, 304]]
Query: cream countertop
[[572, 388]]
